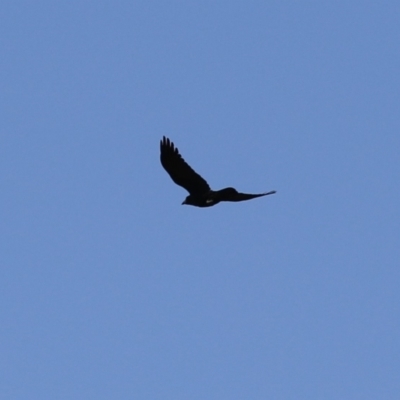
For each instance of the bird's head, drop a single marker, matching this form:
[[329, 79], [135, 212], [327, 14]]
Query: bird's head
[[188, 200]]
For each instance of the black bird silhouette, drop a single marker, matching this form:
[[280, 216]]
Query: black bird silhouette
[[200, 193]]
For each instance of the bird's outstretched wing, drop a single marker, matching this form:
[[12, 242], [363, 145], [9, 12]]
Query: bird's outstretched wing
[[231, 194], [178, 169]]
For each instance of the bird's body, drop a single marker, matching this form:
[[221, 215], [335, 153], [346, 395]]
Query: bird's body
[[200, 193], [212, 197]]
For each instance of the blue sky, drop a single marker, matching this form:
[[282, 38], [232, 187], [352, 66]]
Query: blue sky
[[110, 289]]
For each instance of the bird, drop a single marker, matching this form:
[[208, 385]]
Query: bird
[[200, 193]]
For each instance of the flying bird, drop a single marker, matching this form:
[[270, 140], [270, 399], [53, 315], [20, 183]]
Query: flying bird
[[200, 193]]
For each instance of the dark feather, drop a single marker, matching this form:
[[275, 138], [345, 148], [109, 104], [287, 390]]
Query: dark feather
[[180, 172]]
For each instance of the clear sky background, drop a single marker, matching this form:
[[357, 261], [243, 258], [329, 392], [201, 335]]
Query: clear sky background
[[111, 289]]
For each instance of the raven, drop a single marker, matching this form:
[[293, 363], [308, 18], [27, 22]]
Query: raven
[[200, 193]]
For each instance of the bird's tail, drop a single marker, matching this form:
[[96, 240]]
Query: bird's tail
[[231, 194]]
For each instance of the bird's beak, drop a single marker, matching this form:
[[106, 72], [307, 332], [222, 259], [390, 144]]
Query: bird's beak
[[184, 202]]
